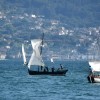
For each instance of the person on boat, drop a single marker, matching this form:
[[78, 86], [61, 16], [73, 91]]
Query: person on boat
[[91, 76], [52, 69], [41, 68], [46, 69], [61, 66]]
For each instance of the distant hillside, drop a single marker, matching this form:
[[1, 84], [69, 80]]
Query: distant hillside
[[71, 27], [75, 13]]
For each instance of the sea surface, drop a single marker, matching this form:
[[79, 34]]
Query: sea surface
[[17, 84]]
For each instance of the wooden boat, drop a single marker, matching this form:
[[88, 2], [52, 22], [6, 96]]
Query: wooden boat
[[36, 65], [58, 72]]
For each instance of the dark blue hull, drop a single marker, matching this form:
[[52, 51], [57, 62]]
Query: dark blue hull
[[60, 72]]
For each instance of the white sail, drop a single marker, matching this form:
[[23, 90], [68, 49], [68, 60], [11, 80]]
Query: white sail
[[36, 58], [52, 60], [95, 65], [24, 54]]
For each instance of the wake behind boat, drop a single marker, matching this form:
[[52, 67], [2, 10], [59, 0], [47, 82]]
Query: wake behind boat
[[94, 76], [36, 65]]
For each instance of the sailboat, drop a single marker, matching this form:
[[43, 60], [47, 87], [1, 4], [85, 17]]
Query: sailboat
[[24, 55], [94, 76], [36, 65]]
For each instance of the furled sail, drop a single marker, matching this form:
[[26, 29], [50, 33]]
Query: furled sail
[[36, 58], [95, 65], [24, 54]]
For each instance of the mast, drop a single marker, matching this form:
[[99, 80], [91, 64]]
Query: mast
[[42, 43]]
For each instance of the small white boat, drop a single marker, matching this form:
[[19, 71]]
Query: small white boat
[[94, 76]]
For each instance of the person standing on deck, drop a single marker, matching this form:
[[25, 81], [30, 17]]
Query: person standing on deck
[[61, 66]]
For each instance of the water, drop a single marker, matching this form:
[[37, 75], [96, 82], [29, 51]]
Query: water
[[16, 84]]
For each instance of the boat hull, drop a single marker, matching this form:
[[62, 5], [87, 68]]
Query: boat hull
[[97, 80], [93, 79], [60, 72]]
